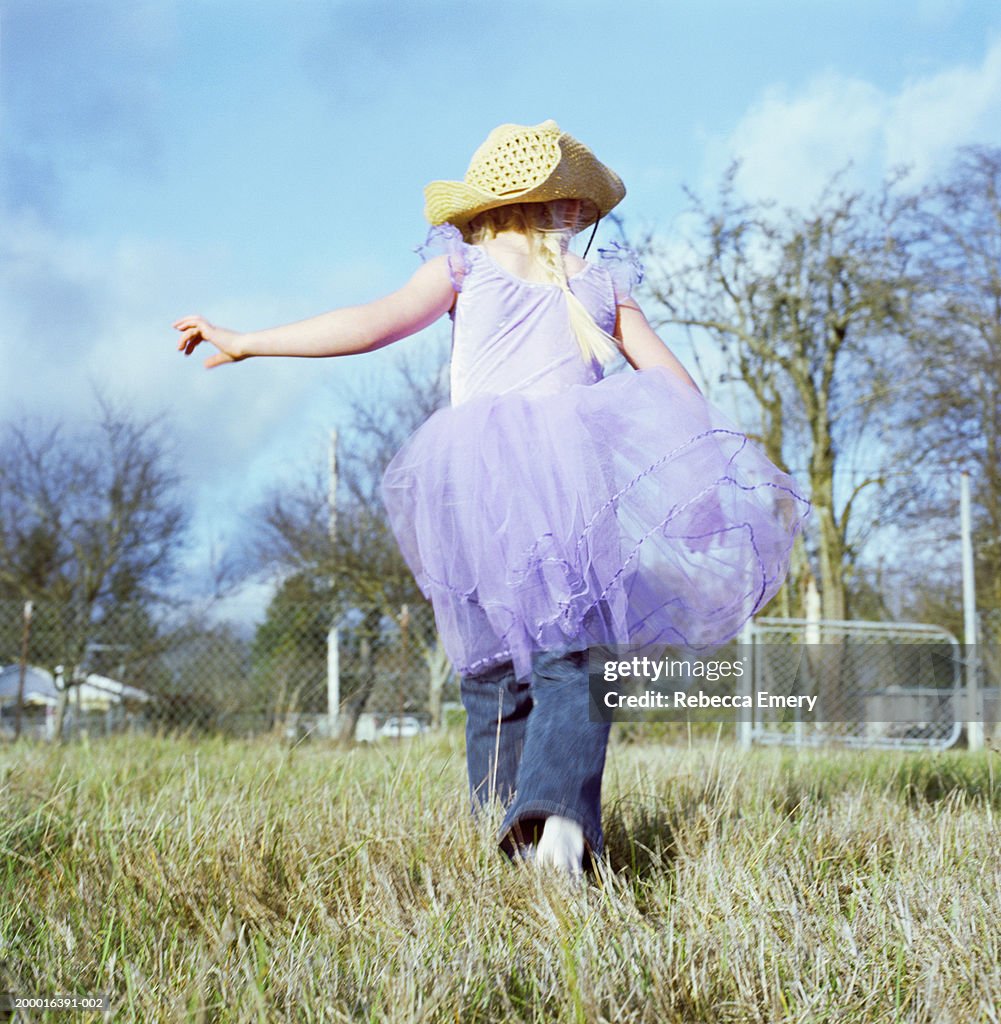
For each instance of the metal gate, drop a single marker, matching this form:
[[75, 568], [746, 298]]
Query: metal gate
[[874, 684]]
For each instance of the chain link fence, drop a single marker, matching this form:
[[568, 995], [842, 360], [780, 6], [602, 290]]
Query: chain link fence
[[377, 673], [888, 684], [366, 675]]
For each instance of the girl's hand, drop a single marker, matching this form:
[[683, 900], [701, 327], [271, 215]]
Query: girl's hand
[[196, 329]]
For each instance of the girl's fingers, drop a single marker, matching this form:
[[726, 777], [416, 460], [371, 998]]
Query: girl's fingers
[[190, 321], [190, 339], [194, 330], [217, 360]]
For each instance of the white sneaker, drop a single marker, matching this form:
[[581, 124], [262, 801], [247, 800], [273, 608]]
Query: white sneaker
[[561, 846]]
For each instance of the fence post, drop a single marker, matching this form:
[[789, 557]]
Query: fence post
[[333, 679], [811, 637], [974, 719], [400, 698], [746, 688], [333, 637], [25, 635]]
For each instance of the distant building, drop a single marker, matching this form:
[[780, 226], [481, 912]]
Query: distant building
[[97, 703]]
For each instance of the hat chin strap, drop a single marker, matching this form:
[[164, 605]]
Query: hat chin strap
[[594, 231]]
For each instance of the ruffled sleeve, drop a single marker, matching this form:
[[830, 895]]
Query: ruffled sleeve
[[624, 266], [446, 240]]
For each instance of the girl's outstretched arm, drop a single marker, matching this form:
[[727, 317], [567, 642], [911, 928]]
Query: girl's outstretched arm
[[421, 301], [642, 346]]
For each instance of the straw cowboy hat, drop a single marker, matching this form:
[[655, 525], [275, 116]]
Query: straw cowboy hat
[[524, 164]]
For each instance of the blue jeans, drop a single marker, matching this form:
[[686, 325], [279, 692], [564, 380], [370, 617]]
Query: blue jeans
[[531, 744]]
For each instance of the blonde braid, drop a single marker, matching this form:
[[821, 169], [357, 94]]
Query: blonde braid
[[594, 343], [547, 246]]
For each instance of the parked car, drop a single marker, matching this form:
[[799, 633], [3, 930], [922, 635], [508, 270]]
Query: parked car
[[402, 725]]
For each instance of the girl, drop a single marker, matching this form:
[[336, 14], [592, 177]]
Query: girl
[[552, 507]]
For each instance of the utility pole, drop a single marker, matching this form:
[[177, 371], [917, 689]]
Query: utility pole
[[974, 718], [333, 645]]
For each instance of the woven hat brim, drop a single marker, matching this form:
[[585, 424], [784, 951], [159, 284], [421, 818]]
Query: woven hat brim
[[578, 175]]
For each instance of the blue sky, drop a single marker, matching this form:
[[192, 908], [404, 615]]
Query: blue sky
[[262, 162]]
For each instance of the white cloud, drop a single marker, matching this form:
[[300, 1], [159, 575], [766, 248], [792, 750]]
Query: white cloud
[[790, 144], [932, 116]]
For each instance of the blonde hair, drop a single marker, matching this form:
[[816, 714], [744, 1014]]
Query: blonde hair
[[549, 228]]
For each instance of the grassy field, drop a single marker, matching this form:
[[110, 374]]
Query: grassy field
[[245, 881]]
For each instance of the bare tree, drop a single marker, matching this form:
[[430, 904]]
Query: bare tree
[[955, 418], [90, 522], [806, 310]]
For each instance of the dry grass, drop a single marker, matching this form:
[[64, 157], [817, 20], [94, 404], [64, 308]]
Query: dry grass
[[238, 881]]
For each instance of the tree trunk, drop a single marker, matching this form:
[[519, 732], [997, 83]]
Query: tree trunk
[[347, 721], [438, 671]]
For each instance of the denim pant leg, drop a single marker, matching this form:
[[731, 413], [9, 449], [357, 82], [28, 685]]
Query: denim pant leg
[[563, 758], [497, 709]]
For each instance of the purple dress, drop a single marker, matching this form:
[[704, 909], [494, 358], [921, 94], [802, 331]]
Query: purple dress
[[552, 508]]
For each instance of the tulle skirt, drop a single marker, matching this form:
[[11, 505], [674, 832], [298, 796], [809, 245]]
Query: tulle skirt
[[623, 512]]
